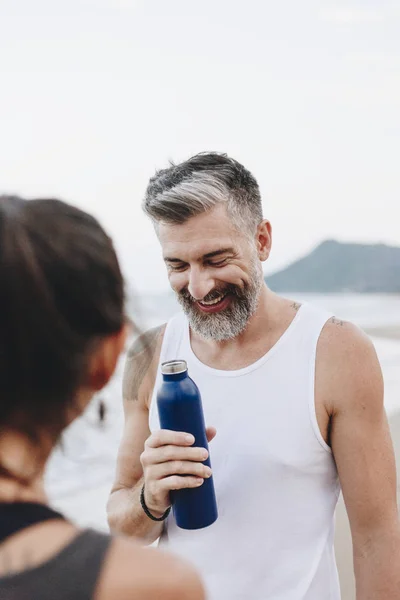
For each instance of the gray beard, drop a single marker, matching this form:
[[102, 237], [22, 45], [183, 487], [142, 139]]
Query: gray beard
[[232, 321]]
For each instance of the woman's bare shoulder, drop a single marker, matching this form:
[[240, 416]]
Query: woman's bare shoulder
[[132, 572]]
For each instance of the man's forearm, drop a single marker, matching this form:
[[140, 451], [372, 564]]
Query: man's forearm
[[126, 516], [377, 567]]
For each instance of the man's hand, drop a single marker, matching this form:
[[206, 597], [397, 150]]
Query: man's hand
[[170, 462]]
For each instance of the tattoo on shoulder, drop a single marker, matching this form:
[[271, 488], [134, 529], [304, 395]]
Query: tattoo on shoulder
[[295, 305], [139, 360], [336, 321]]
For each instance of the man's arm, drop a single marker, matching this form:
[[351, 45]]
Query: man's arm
[[125, 514], [350, 381], [164, 461]]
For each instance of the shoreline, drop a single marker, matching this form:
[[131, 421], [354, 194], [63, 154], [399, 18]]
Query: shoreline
[[388, 332]]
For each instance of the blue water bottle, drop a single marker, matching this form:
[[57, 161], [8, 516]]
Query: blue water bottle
[[180, 409]]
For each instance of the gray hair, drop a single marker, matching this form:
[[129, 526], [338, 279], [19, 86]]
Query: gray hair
[[197, 185]]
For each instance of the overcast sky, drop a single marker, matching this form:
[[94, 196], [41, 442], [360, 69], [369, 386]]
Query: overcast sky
[[95, 94]]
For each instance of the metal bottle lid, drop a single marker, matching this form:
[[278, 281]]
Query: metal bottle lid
[[171, 367]]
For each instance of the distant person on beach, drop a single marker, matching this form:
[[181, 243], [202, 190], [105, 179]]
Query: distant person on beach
[[295, 395], [62, 328], [102, 411]]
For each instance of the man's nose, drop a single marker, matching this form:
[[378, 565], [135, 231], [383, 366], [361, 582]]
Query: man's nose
[[200, 283]]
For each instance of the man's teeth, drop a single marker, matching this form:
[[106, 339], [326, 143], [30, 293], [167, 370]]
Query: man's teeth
[[211, 302]]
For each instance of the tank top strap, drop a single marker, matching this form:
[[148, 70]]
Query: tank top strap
[[172, 341], [173, 336], [16, 516], [309, 325]]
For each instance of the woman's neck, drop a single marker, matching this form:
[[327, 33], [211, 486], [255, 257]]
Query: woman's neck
[[21, 469]]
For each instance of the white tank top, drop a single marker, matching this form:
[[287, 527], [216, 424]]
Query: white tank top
[[275, 477]]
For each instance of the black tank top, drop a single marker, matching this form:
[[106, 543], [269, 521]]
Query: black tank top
[[71, 574]]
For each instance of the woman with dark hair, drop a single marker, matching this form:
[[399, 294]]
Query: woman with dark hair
[[62, 328]]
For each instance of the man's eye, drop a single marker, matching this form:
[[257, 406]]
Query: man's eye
[[218, 263], [178, 267]]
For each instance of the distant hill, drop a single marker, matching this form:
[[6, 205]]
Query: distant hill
[[338, 267]]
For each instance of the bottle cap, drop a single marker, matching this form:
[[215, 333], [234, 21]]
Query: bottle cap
[[173, 366]]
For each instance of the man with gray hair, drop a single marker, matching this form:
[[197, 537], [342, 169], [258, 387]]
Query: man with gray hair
[[296, 397]]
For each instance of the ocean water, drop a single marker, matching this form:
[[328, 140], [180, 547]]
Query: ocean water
[[80, 474], [365, 310]]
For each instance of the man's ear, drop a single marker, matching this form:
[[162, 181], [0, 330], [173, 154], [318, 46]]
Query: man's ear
[[264, 239]]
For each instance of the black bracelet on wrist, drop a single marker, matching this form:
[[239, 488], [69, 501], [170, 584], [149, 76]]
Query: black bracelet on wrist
[[148, 513]]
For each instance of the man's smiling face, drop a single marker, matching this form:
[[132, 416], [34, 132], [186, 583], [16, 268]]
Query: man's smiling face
[[215, 272]]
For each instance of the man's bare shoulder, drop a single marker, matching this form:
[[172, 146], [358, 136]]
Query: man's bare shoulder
[[342, 336], [347, 363], [141, 363]]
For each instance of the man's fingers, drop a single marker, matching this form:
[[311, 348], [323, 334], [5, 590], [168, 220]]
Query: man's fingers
[[164, 454], [165, 437], [175, 482], [211, 433], [181, 453], [181, 467]]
